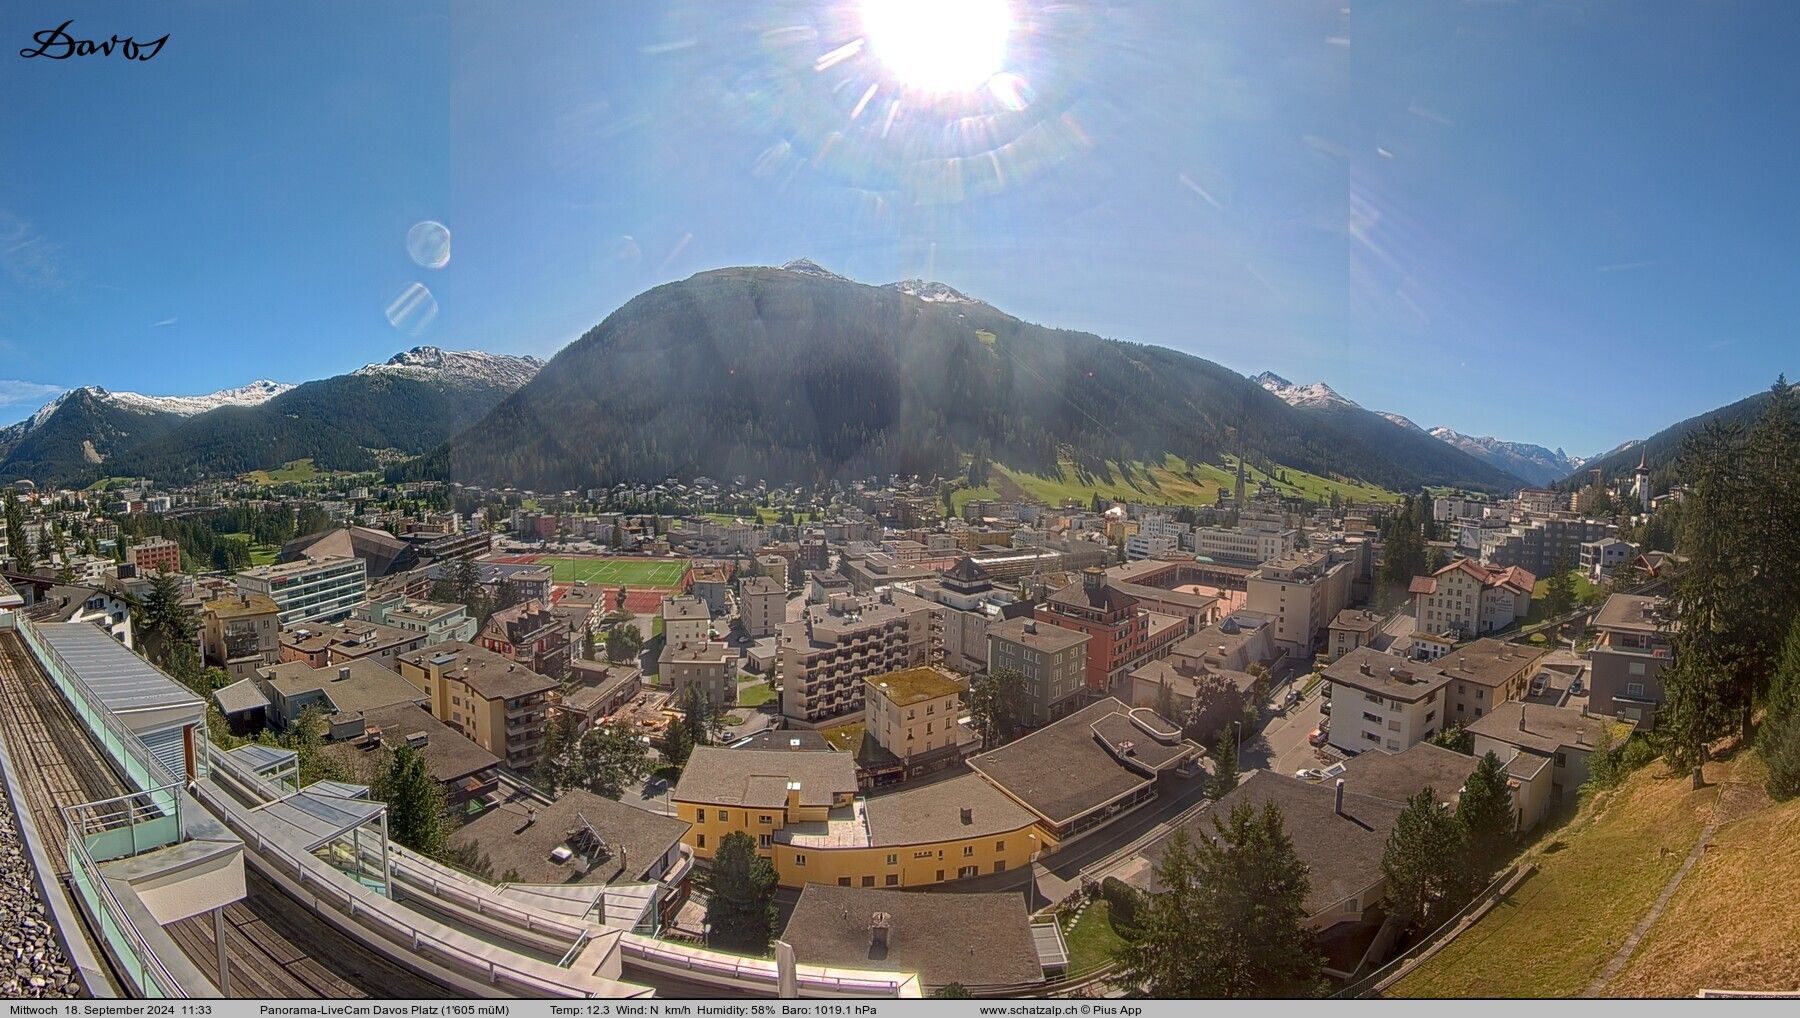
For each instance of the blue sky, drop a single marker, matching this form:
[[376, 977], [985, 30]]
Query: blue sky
[[1563, 223]]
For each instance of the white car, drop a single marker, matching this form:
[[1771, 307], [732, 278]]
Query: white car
[[1310, 774]]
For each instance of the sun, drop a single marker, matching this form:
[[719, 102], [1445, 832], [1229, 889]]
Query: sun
[[938, 45]]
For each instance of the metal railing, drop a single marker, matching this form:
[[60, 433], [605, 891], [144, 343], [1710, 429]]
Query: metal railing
[[127, 825], [136, 960]]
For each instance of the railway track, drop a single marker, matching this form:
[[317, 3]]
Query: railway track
[[58, 766]]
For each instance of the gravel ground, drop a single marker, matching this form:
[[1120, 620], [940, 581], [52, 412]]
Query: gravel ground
[[31, 962]]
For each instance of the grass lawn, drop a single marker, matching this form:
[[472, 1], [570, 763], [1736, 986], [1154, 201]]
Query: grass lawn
[[291, 471], [845, 738], [1585, 593], [1597, 877], [754, 694], [1092, 940], [260, 554], [1172, 482], [612, 572]]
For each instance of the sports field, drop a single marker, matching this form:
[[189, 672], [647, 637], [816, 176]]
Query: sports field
[[614, 572]]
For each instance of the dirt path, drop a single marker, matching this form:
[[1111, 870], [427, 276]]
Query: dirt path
[[1622, 957]]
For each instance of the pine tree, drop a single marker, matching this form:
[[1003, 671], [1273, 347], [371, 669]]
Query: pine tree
[[1559, 590], [1230, 921], [1485, 814], [417, 815], [1225, 767], [740, 912], [1779, 739], [1423, 863]]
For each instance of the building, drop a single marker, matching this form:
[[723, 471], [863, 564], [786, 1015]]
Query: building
[[762, 604], [596, 690], [1485, 674], [439, 622], [1633, 644], [1203, 698], [158, 554], [1088, 768], [1379, 701], [1469, 599], [823, 658], [877, 928], [470, 775], [532, 635], [1353, 628], [965, 603], [1123, 632], [912, 715], [342, 694], [1053, 661], [240, 634], [1600, 558], [1245, 546], [382, 553], [685, 620], [709, 666], [497, 703], [1543, 542], [1301, 594], [309, 590], [320, 644], [1549, 745], [804, 812], [1234, 643], [585, 839]]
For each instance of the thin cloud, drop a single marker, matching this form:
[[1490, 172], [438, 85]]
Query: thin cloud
[[14, 390], [164, 323], [26, 256], [1189, 183]]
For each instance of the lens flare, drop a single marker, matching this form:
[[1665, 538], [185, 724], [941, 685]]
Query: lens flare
[[939, 45], [412, 309], [428, 243]]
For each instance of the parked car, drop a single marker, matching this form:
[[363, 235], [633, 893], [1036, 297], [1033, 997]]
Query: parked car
[[1575, 687], [1325, 707], [1319, 736], [1292, 698], [1539, 684], [1310, 774]]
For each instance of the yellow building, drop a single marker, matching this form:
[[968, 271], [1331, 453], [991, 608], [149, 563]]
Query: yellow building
[[803, 811], [500, 705]]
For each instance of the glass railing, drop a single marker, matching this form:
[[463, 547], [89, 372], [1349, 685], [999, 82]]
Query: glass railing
[[127, 825], [135, 960]]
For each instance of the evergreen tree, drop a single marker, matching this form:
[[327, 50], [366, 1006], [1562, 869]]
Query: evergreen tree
[[677, 743], [552, 765], [996, 700], [417, 815], [740, 912], [15, 534], [1779, 739], [1559, 590], [162, 623], [1225, 768], [1485, 814], [1423, 863], [608, 759], [623, 641], [1231, 920]]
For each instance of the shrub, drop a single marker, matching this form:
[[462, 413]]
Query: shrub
[[1123, 898]]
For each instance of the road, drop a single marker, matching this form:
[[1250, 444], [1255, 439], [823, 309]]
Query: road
[[1282, 747]]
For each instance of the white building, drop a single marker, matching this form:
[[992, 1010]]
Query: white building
[[1382, 702], [310, 590]]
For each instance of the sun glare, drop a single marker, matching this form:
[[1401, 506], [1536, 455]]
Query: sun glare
[[938, 45]]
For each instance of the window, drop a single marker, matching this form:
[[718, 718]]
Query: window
[[1637, 668], [893, 880], [868, 881], [699, 841], [762, 841], [799, 858], [724, 815], [999, 846], [1634, 689], [1372, 737], [940, 876], [1000, 867], [967, 871], [1562, 759], [843, 881], [1350, 906], [765, 819], [893, 860]]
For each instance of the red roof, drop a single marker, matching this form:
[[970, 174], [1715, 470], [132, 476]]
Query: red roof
[[1422, 585]]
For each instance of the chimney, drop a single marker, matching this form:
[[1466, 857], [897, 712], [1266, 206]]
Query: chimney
[[1338, 807], [1365, 669], [1521, 717], [343, 672], [879, 925]]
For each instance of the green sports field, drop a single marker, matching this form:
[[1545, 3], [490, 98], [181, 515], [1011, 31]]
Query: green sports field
[[612, 572]]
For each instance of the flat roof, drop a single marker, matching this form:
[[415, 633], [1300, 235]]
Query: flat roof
[[1394, 677], [915, 685], [759, 777], [124, 682], [933, 812], [516, 839]]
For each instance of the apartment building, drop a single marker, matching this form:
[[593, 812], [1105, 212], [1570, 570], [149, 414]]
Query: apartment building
[[1600, 558], [310, 590], [1382, 702], [1542, 542], [1245, 546], [709, 666], [1140, 546], [965, 603], [1468, 598], [439, 622], [532, 635], [912, 716], [1123, 632], [1485, 674], [823, 658], [320, 644], [1353, 628], [1545, 749], [497, 703], [1634, 642], [240, 633], [762, 605], [686, 619], [1053, 661], [157, 554], [1301, 594]]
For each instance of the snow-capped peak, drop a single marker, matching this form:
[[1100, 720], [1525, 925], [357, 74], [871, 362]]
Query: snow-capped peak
[[1401, 419], [808, 267], [1314, 396], [260, 391], [935, 292], [458, 365]]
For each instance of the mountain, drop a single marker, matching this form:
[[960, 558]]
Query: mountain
[[1661, 449], [797, 374], [410, 403], [1532, 463], [88, 425], [1306, 397], [937, 293], [1401, 419]]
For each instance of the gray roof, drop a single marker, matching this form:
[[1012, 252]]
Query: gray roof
[[124, 682], [1399, 776], [1541, 727], [1393, 677], [1633, 613], [972, 939], [1489, 662], [1342, 852], [933, 812], [317, 818], [759, 777], [1039, 636], [514, 840], [1065, 770], [492, 676], [239, 697], [448, 753]]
